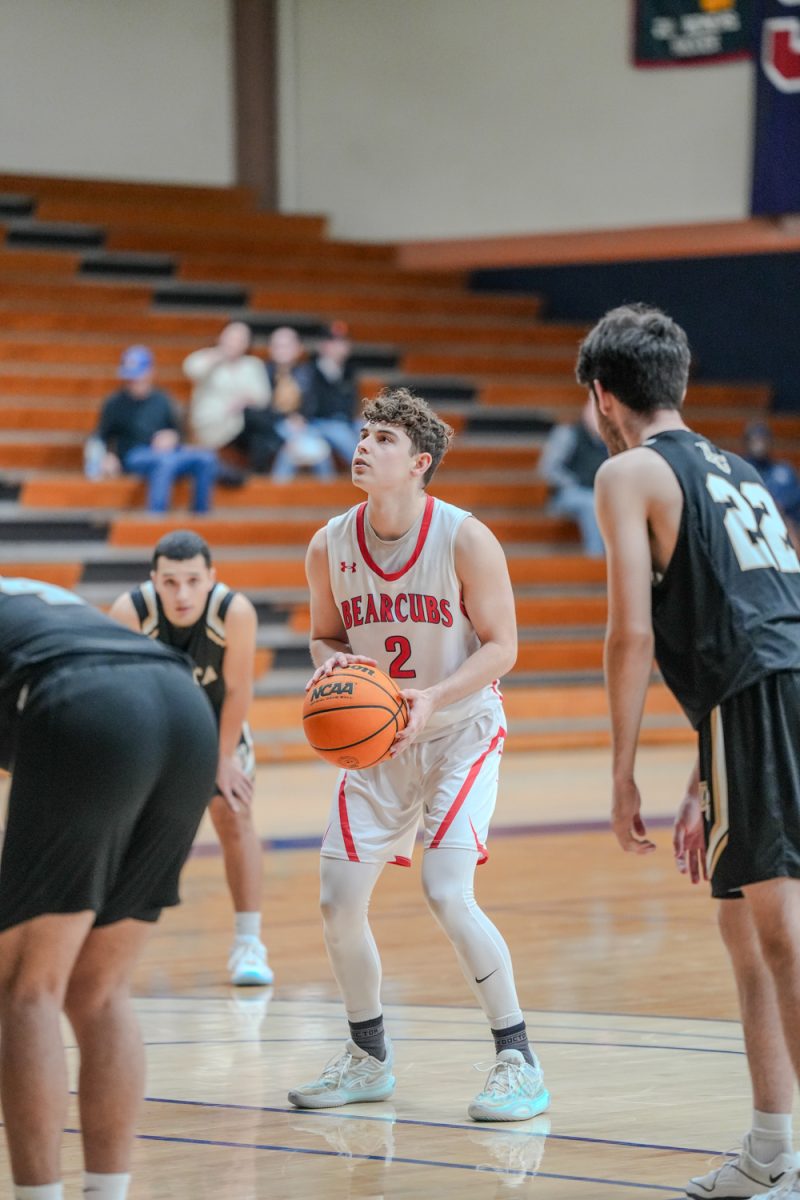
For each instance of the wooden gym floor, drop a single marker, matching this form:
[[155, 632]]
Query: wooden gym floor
[[620, 971]]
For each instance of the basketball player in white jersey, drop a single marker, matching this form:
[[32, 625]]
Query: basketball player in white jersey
[[421, 589], [183, 605]]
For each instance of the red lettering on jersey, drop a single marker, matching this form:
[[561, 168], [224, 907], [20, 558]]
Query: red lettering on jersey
[[357, 617], [417, 607], [347, 616], [386, 608], [432, 610], [371, 614], [402, 598], [447, 616], [462, 605]]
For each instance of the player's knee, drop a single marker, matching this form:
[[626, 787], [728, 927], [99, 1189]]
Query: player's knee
[[779, 946], [230, 826], [90, 997], [447, 903], [26, 989]]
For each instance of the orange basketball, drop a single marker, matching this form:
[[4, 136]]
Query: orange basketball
[[352, 716]]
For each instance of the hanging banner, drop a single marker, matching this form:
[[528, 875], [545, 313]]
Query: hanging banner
[[679, 33], [776, 154]]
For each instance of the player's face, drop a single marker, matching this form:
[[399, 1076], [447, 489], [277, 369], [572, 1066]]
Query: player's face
[[183, 588], [385, 457]]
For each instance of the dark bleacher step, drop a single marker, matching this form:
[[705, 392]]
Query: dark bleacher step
[[10, 489], [54, 235], [200, 295], [47, 530], [438, 389], [13, 204], [499, 421], [123, 571], [145, 266], [265, 324], [291, 658]]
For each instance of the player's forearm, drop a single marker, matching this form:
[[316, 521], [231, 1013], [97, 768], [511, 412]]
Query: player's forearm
[[628, 664], [232, 717], [488, 663], [322, 648]]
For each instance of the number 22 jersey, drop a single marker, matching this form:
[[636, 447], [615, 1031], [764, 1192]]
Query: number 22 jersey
[[401, 604], [726, 612]]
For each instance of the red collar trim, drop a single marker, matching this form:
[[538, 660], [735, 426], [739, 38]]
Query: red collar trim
[[427, 517]]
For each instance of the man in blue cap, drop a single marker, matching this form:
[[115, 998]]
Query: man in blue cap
[[141, 435]]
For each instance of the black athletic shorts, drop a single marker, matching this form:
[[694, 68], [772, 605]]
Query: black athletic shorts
[[113, 767], [750, 773]]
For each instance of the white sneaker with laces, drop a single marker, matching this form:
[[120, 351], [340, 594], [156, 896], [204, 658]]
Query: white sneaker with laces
[[741, 1177], [353, 1077], [248, 964], [788, 1190], [514, 1091]]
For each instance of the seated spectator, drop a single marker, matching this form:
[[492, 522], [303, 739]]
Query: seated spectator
[[780, 477], [334, 393], [571, 458], [141, 435], [293, 405], [230, 398]]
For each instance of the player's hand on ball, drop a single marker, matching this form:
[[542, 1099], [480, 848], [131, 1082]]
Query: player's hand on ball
[[688, 838], [234, 786], [626, 819], [335, 663], [420, 710]]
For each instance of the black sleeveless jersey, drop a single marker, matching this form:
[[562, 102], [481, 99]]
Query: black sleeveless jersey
[[42, 626], [726, 612], [204, 641]]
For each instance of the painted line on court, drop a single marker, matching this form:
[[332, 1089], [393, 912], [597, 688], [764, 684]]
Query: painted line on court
[[382, 1158], [416, 1122]]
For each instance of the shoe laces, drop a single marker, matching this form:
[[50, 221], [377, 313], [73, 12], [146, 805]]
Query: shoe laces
[[335, 1070], [504, 1078]]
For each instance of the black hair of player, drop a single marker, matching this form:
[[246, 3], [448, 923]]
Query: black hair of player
[[640, 355], [180, 545]]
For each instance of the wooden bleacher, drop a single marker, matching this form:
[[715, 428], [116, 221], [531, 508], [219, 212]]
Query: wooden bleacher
[[88, 267]]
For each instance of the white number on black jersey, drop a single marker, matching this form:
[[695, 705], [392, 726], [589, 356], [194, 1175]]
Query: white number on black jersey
[[756, 529]]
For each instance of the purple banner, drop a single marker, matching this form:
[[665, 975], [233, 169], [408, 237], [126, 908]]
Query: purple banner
[[776, 154]]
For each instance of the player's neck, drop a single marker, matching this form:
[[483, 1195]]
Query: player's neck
[[391, 516], [659, 422]]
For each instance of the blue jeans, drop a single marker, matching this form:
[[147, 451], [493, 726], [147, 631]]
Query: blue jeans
[[162, 468], [578, 503]]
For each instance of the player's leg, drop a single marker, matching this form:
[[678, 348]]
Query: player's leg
[[111, 1080], [242, 855], [364, 1070], [36, 959]]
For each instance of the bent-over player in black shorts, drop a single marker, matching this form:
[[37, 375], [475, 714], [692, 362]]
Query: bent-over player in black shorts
[[112, 751], [702, 571]]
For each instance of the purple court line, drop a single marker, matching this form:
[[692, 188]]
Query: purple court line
[[412, 1121], [468, 1041], [313, 841], [381, 1158], [717, 1037], [589, 1012]]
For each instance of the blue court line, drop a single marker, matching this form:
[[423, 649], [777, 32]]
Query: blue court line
[[413, 1121], [468, 1041], [382, 1158]]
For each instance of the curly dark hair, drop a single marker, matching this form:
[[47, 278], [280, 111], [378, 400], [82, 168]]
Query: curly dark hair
[[427, 433], [638, 353]]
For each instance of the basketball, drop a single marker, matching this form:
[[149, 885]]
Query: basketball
[[352, 716]]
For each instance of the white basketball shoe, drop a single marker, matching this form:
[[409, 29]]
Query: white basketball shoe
[[353, 1077], [743, 1177], [788, 1190], [248, 964], [514, 1091]]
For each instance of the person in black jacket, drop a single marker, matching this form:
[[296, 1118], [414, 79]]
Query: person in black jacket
[[141, 434], [333, 389]]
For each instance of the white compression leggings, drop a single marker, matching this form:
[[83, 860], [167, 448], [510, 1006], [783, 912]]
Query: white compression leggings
[[447, 880]]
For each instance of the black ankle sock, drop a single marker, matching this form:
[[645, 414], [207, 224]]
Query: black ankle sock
[[369, 1036], [513, 1038]]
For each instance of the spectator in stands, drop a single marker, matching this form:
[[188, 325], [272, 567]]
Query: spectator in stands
[[293, 401], [231, 398], [140, 431], [570, 460], [334, 393], [780, 477]]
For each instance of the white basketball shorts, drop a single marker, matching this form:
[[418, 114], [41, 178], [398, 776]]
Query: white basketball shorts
[[449, 783]]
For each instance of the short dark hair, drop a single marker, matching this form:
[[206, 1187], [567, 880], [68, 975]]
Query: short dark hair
[[638, 353], [181, 545], [427, 432]]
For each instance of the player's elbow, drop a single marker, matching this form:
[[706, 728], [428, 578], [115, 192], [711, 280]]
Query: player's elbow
[[630, 641], [507, 653]]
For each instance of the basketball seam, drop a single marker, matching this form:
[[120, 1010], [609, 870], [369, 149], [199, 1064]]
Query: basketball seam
[[360, 742], [375, 683]]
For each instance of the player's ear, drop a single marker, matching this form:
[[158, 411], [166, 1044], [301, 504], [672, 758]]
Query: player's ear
[[422, 463], [212, 571], [601, 396]]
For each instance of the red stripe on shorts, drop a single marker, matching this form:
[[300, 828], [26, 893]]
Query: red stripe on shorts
[[344, 821], [466, 788], [483, 853]]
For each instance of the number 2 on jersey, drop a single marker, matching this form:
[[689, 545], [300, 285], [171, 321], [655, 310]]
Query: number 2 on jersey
[[402, 646], [754, 525]]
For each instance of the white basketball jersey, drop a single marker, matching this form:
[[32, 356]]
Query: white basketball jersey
[[401, 604]]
